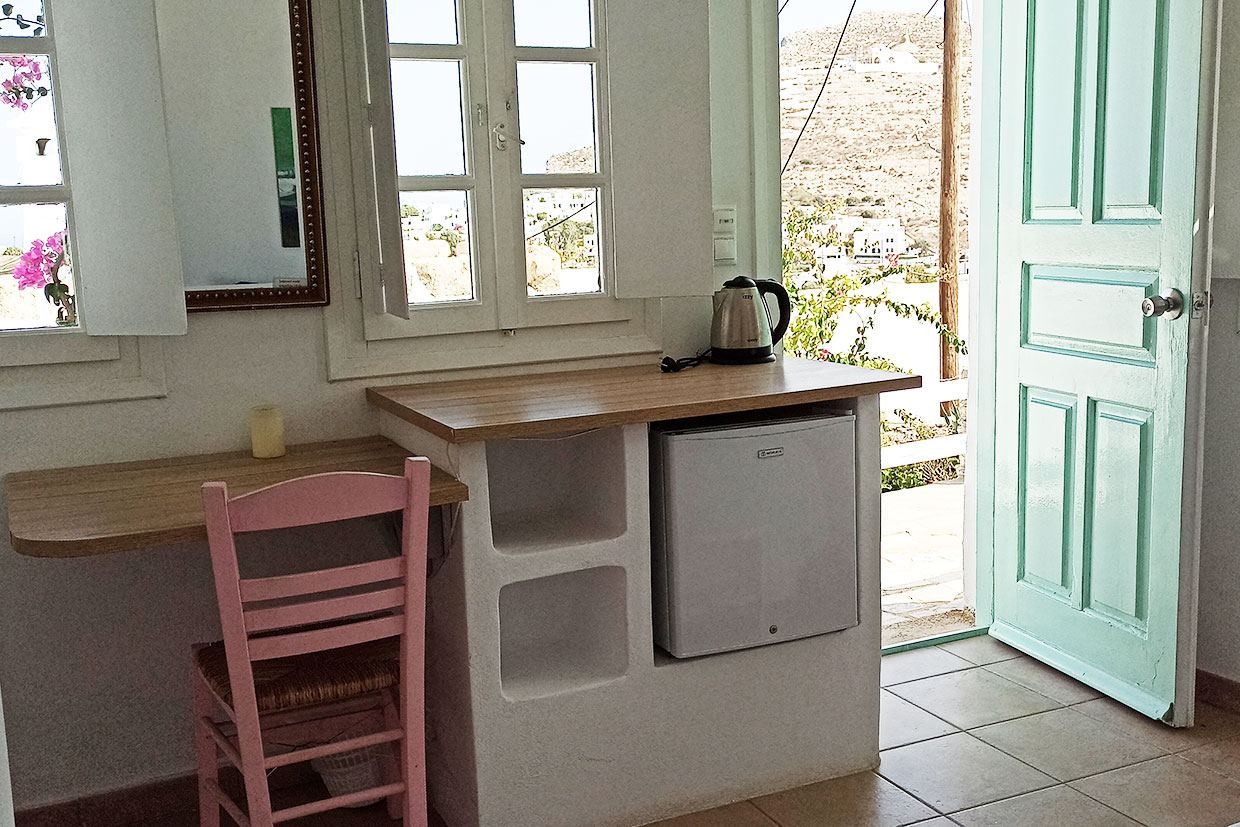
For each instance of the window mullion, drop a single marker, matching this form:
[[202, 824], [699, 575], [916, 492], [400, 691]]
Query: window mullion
[[501, 71]]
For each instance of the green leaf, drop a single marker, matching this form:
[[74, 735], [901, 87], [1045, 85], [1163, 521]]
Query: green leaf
[[49, 292], [7, 8]]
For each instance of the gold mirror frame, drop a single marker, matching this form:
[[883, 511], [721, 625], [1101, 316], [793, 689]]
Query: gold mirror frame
[[314, 293]]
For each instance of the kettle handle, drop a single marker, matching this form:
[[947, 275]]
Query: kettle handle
[[767, 287]]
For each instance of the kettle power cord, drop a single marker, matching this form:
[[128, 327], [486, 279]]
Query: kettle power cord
[[670, 365]]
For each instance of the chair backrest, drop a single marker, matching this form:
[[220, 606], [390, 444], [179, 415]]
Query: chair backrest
[[294, 614]]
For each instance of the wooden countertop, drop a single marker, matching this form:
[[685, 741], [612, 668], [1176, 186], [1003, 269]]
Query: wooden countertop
[[80, 512], [516, 406]]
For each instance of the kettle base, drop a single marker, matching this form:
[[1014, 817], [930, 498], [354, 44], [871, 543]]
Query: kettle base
[[741, 355]]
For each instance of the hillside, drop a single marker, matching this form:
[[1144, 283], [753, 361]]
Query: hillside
[[873, 134]]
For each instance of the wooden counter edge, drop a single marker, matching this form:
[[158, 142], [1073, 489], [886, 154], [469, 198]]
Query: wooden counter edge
[[445, 490], [652, 413]]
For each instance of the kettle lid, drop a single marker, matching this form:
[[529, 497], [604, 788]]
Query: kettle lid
[[739, 282]]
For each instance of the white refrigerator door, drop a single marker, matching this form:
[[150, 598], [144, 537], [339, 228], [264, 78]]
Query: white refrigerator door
[[760, 537]]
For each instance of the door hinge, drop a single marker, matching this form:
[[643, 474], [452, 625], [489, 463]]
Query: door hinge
[[357, 271], [1201, 306]]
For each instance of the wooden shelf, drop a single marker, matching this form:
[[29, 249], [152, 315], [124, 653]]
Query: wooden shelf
[[101, 509], [555, 403]]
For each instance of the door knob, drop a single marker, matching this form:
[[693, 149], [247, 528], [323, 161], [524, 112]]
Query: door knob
[[1169, 305]]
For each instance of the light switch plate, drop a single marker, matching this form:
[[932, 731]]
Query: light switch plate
[[725, 249], [725, 221]]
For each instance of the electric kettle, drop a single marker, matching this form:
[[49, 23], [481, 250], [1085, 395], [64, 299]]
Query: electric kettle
[[740, 333]]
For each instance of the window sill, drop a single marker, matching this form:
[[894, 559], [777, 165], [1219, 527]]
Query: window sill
[[136, 372], [351, 356], [54, 347]]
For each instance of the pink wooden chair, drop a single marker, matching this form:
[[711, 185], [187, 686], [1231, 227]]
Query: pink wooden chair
[[315, 655]]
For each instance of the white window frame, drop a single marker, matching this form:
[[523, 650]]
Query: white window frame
[[59, 344], [55, 366], [493, 178]]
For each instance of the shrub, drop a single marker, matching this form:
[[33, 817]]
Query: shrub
[[868, 213], [851, 201], [880, 202], [919, 274], [819, 303], [866, 199]]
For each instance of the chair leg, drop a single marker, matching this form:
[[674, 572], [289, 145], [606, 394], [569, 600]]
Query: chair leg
[[391, 720], [413, 758], [208, 756]]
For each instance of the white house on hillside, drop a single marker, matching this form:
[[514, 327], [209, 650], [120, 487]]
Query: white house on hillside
[[878, 238], [886, 59]]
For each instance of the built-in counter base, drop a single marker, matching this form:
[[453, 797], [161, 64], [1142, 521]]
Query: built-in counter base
[[548, 704]]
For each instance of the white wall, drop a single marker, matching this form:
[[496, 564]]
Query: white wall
[[94, 653], [1218, 649]]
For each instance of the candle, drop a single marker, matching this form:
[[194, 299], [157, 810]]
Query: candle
[[267, 431]]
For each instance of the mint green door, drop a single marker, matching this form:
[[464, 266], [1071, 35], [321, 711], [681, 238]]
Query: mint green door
[[1097, 142]]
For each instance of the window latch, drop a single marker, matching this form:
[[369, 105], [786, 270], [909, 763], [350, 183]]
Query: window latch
[[502, 138]]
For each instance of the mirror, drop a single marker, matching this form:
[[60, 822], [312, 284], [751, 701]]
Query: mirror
[[243, 142]]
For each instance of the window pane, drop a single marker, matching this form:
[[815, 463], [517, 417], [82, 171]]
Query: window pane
[[427, 110], [29, 149], [556, 107], [435, 233], [562, 23], [24, 18], [422, 21], [35, 268], [561, 242]]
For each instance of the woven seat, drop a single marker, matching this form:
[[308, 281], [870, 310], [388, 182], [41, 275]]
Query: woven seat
[[314, 678]]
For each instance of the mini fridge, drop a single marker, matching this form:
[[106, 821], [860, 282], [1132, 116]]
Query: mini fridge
[[754, 531]]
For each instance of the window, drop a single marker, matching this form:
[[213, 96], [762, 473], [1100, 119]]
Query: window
[[492, 175], [37, 288]]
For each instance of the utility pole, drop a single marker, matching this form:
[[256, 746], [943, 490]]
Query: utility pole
[[949, 195]]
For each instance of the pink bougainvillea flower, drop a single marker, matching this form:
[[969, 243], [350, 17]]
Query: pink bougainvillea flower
[[22, 88], [34, 269]]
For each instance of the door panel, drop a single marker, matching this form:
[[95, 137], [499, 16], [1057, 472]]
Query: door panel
[[1053, 146], [1131, 105], [1047, 482], [1098, 106]]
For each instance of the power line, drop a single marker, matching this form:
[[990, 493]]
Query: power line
[[563, 220], [782, 6], [821, 89]]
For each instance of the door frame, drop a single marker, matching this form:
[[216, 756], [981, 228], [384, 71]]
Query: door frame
[[980, 525]]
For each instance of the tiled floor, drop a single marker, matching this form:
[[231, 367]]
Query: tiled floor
[[974, 734]]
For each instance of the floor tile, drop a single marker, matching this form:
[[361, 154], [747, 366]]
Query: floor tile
[[973, 698], [1057, 805], [1212, 724], [741, 814], [980, 650], [1167, 792], [862, 800], [1221, 756], [919, 663], [1044, 680], [900, 723], [939, 821], [1067, 745], [956, 772]]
